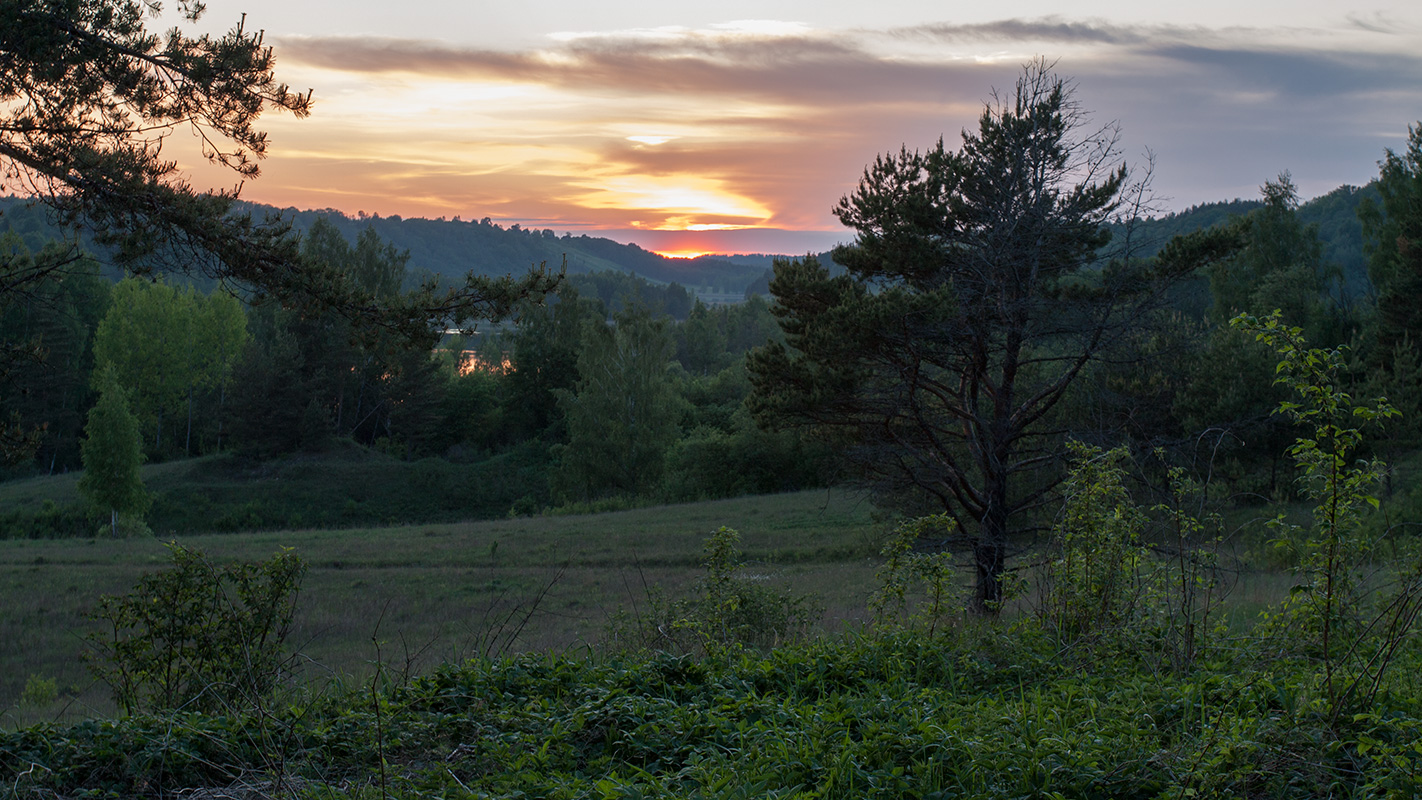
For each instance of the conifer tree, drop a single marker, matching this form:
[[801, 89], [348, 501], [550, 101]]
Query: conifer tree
[[982, 284]]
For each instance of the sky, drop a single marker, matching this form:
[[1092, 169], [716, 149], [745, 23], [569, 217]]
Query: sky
[[736, 126]]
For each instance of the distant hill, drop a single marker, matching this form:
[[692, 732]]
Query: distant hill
[[1335, 214], [451, 248]]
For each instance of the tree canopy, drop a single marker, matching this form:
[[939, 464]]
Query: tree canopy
[[89, 96], [112, 454], [979, 288]]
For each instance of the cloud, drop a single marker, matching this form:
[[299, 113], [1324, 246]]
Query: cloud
[[1377, 23], [1303, 75], [1045, 30], [778, 120], [791, 69], [812, 68]]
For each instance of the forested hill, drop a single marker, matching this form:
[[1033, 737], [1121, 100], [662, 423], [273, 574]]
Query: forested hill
[[453, 247], [1335, 214]]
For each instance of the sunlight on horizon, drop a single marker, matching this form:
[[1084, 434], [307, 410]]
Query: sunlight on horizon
[[746, 118], [682, 254]]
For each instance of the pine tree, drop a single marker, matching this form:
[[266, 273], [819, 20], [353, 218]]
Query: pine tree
[[112, 454], [983, 282]]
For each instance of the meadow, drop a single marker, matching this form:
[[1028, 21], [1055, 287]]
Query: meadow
[[470, 660], [435, 593]]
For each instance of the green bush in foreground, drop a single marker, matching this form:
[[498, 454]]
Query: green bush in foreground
[[976, 713], [198, 636], [727, 609]]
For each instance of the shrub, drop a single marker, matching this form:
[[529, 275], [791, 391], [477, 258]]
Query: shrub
[[1093, 584], [39, 692], [1325, 615], [725, 610], [917, 588], [198, 636]]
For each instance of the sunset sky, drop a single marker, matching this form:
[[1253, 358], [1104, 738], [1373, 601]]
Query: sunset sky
[[735, 126]]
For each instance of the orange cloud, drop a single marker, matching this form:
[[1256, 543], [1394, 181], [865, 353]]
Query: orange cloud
[[740, 128]]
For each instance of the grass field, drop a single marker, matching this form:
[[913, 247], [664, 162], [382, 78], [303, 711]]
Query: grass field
[[433, 593], [343, 487], [436, 592]]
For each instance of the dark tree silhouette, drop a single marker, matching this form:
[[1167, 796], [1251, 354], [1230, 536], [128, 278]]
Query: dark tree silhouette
[[981, 285]]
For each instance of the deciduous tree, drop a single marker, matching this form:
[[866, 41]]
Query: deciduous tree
[[624, 413], [112, 454]]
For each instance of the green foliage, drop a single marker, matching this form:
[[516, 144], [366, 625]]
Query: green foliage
[[1390, 352], [310, 377], [544, 352], [981, 285], [1322, 615], [623, 414], [50, 521], [39, 692], [174, 349], [726, 610], [46, 362], [1092, 586], [198, 636], [619, 291], [909, 575], [889, 717], [1192, 590], [349, 485], [1279, 266], [710, 462], [1392, 230], [112, 454]]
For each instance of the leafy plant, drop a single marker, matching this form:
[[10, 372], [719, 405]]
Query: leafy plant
[[917, 589], [39, 692], [1193, 592], [198, 636], [1093, 584], [112, 455], [1323, 607], [726, 609]]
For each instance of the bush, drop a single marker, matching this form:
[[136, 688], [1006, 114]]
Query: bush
[[198, 636], [51, 521], [726, 610], [1093, 585], [917, 590]]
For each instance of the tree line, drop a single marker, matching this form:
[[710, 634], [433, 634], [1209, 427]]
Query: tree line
[[599, 383], [994, 304], [619, 390], [999, 303]]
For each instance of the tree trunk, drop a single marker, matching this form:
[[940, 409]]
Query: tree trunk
[[990, 553], [188, 441], [221, 412]]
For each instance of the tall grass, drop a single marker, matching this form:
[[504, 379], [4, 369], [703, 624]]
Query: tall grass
[[439, 589]]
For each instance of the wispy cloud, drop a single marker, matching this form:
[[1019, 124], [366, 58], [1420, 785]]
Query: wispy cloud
[[767, 123], [1054, 30], [794, 69]]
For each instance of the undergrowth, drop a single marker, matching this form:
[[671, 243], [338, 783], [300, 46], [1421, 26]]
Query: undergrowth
[[975, 713], [1121, 685]]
